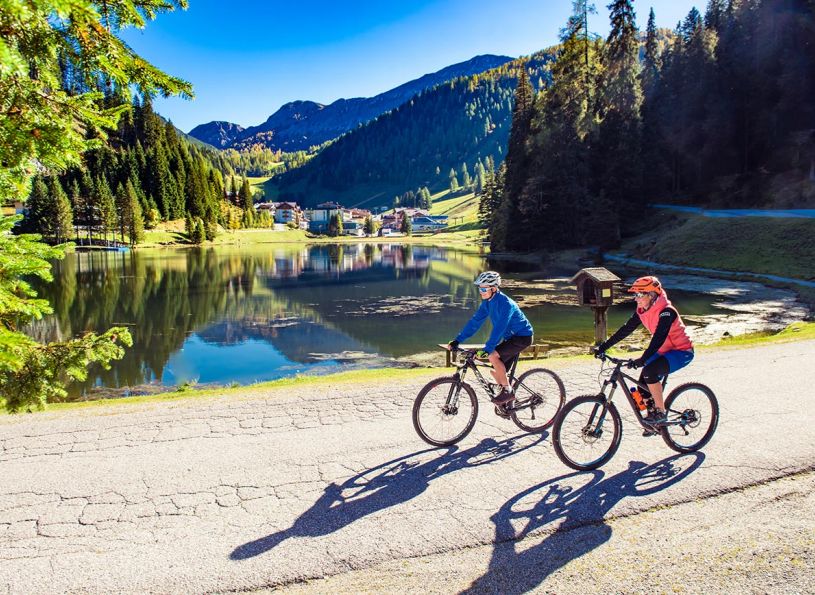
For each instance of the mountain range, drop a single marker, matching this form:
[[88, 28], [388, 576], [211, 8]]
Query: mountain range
[[454, 130], [299, 125]]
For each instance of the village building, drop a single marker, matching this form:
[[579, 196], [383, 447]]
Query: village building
[[320, 216], [289, 212]]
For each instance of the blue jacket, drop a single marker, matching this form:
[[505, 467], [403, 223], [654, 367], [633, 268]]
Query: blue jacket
[[507, 321]]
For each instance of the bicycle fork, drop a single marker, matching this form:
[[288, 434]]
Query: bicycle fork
[[451, 405], [592, 429]]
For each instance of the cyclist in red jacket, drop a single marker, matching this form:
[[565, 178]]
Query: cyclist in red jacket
[[670, 349]]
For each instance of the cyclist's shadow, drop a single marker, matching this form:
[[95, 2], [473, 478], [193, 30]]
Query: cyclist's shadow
[[383, 486], [578, 506]]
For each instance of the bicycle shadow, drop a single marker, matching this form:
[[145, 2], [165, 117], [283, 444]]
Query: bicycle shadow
[[383, 486], [580, 507]]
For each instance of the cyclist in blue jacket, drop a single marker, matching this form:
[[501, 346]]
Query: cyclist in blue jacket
[[511, 331]]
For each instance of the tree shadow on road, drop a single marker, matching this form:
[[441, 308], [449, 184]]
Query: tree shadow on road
[[580, 502], [383, 486]]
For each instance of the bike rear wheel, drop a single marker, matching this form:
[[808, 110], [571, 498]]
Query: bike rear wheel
[[693, 414], [587, 432], [445, 411], [539, 396]]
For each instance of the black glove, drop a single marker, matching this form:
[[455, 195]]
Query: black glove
[[637, 363], [453, 345]]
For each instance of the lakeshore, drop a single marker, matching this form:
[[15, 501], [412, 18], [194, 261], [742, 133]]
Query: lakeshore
[[796, 332]]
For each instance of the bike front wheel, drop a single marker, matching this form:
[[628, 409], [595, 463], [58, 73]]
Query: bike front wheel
[[539, 396], [445, 411], [693, 414], [587, 432]]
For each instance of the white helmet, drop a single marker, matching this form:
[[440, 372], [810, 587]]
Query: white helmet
[[490, 278]]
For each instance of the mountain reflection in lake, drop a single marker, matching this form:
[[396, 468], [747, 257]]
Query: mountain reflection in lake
[[243, 315]]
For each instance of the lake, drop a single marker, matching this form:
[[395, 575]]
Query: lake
[[241, 315]]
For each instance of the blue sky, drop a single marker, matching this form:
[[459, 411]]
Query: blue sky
[[246, 58]]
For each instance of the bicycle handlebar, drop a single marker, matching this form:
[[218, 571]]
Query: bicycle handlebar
[[602, 355], [468, 354]]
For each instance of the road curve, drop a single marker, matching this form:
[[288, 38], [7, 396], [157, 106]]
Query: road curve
[[277, 487]]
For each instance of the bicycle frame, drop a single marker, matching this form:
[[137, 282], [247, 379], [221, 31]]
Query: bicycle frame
[[618, 378], [470, 363]]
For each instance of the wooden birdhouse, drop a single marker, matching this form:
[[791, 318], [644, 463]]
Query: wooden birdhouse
[[595, 288]]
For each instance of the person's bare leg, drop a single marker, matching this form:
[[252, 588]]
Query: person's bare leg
[[656, 393], [499, 370]]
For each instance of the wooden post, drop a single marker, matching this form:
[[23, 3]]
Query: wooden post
[[600, 323]]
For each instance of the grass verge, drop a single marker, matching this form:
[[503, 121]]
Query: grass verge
[[798, 331], [784, 247]]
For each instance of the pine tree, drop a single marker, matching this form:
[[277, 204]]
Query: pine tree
[[76, 206], [163, 185], [63, 217], [715, 14], [407, 225], [132, 215], [486, 209], [517, 166], [335, 226], [453, 181], [559, 171], [651, 152], [121, 200], [45, 120], [369, 226], [107, 209], [495, 212], [39, 206], [428, 198], [246, 201], [248, 219], [198, 234], [651, 65], [480, 174], [616, 167], [211, 230], [465, 176], [31, 373], [90, 204]]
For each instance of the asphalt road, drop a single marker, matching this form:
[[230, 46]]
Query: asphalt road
[[276, 488]]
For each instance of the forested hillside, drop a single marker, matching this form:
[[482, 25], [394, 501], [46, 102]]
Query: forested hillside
[[447, 132], [147, 172], [724, 114], [302, 125]]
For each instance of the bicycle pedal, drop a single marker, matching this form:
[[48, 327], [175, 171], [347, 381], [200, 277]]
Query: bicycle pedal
[[501, 412], [647, 433]]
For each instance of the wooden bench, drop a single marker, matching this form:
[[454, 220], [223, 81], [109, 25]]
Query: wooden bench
[[534, 351]]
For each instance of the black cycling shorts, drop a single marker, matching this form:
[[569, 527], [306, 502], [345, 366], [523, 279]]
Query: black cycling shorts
[[509, 349], [655, 371]]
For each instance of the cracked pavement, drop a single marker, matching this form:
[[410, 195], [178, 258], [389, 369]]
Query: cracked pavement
[[278, 486]]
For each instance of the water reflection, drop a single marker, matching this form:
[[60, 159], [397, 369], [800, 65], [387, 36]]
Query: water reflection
[[243, 315], [246, 314]]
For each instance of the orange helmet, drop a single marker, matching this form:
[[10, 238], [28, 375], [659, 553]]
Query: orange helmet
[[646, 285]]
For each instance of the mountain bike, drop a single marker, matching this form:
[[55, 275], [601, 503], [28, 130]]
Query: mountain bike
[[445, 410], [588, 430]]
